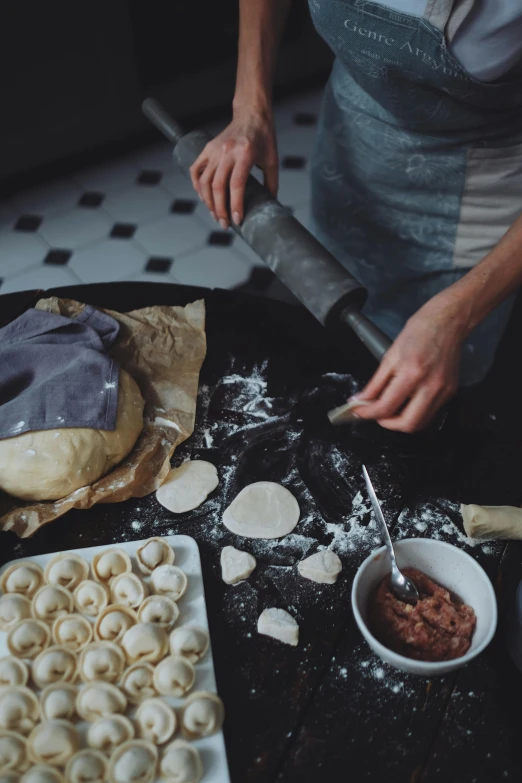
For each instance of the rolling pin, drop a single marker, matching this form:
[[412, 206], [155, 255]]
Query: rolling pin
[[298, 259]]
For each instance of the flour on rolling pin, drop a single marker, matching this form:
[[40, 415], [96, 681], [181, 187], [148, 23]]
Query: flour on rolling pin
[[345, 414]]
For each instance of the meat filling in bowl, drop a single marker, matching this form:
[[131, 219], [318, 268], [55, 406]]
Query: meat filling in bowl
[[438, 628]]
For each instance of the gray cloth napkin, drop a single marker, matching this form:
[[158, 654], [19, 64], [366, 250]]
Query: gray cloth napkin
[[55, 372]]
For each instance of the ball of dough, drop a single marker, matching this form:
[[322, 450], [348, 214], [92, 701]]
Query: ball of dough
[[50, 464]]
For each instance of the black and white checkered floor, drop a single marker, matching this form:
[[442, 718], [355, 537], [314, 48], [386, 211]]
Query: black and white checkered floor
[[137, 218]]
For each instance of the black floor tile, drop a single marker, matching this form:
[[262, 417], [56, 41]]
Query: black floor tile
[[305, 118], [221, 238], [158, 264], [91, 200], [28, 223], [293, 162], [183, 206], [57, 257], [123, 230], [150, 178]]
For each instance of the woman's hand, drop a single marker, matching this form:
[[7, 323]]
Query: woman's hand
[[420, 371], [225, 163]]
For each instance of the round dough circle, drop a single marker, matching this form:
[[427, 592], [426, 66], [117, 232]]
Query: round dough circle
[[188, 486], [50, 464], [262, 510]]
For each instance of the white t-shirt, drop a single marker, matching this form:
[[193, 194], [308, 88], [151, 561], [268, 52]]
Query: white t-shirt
[[488, 43]]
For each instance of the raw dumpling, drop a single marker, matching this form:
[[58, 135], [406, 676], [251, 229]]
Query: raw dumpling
[[181, 763], [87, 766], [102, 661], [66, 569], [262, 510], [156, 721], [13, 609], [203, 714], [145, 642], [153, 553], [188, 486], [53, 742], [58, 701], [138, 682], [97, 699], [174, 676], [113, 622], [109, 564], [90, 598], [236, 565], [323, 567], [13, 672], [19, 709], [279, 625], [13, 777], [42, 773], [24, 578], [109, 732], [52, 601], [13, 752], [160, 610], [72, 631], [190, 641], [28, 638], [169, 580], [56, 664], [128, 590], [134, 762]]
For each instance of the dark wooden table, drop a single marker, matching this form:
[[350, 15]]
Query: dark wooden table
[[328, 710]]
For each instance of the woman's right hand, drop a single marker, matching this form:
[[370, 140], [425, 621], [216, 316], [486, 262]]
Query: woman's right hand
[[225, 163]]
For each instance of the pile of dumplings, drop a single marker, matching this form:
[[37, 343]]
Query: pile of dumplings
[[98, 643]]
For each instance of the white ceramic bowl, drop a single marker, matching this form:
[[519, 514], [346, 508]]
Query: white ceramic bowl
[[445, 564]]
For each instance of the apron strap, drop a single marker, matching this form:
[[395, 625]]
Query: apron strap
[[447, 15]]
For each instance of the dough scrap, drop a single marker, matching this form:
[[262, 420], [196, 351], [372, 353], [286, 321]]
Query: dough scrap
[[72, 631], [109, 564], [128, 590], [134, 762], [13, 751], [66, 569], [58, 701], [87, 766], [181, 763], [153, 553], [169, 580], [202, 715], [42, 773], [190, 641], [52, 601], [236, 565], [323, 567], [174, 676], [13, 671], [113, 622], [53, 742], [156, 721], [159, 610], [262, 510], [24, 578], [98, 699], [39, 466], [91, 598], [19, 709], [344, 414], [102, 661], [109, 732], [28, 638], [188, 486], [279, 625], [13, 609], [145, 642], [138, 682], [490, 522], [55, 664]]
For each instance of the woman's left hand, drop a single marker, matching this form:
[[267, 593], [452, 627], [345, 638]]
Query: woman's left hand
[[420, 371]]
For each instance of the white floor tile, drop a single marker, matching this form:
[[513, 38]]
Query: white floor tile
[[48, 200], [297, 140], [171, 235], [294, 187], [212, 267], [111, 259], [76, 228], [179, 186], [41, 276], [108, 177], [284, 111], [156, 157], [303, 215], [137, 203], [19, 251]]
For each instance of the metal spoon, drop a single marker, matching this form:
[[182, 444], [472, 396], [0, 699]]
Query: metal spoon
[[402, 587]]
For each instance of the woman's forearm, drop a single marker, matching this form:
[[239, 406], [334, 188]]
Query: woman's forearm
[[261, 23]]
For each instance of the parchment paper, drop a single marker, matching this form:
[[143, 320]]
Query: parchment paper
[[163, 349]]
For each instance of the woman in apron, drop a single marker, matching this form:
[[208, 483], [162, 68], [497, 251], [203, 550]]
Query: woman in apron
[[416, 177]]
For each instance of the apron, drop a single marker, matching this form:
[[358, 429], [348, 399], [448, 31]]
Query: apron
[[417, 168]]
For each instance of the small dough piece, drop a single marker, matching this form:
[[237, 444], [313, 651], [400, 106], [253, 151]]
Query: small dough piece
[[42, 773], [236, 565], [72, 631], [24, 578], [128, 590], [279, 625], [323, 567], [109, 732], [98, 699], [55, 664], [58, 701], [262, 510], [490, 522], [66, 569], [188, 486], [153, 553], [145, 642], [87, 766], [52, 601], [138, 683], [13, 672], [91, 598], [174, 676], [156, 721], [53, 742], [13, 609], [109, 564], [19, 709], [190, 641], [102, 661], [134, 762], [113, 622], [169, 580], [13, 752], [202, 715], [344, 414], [159, 610], [28, 638], [181, 763]]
